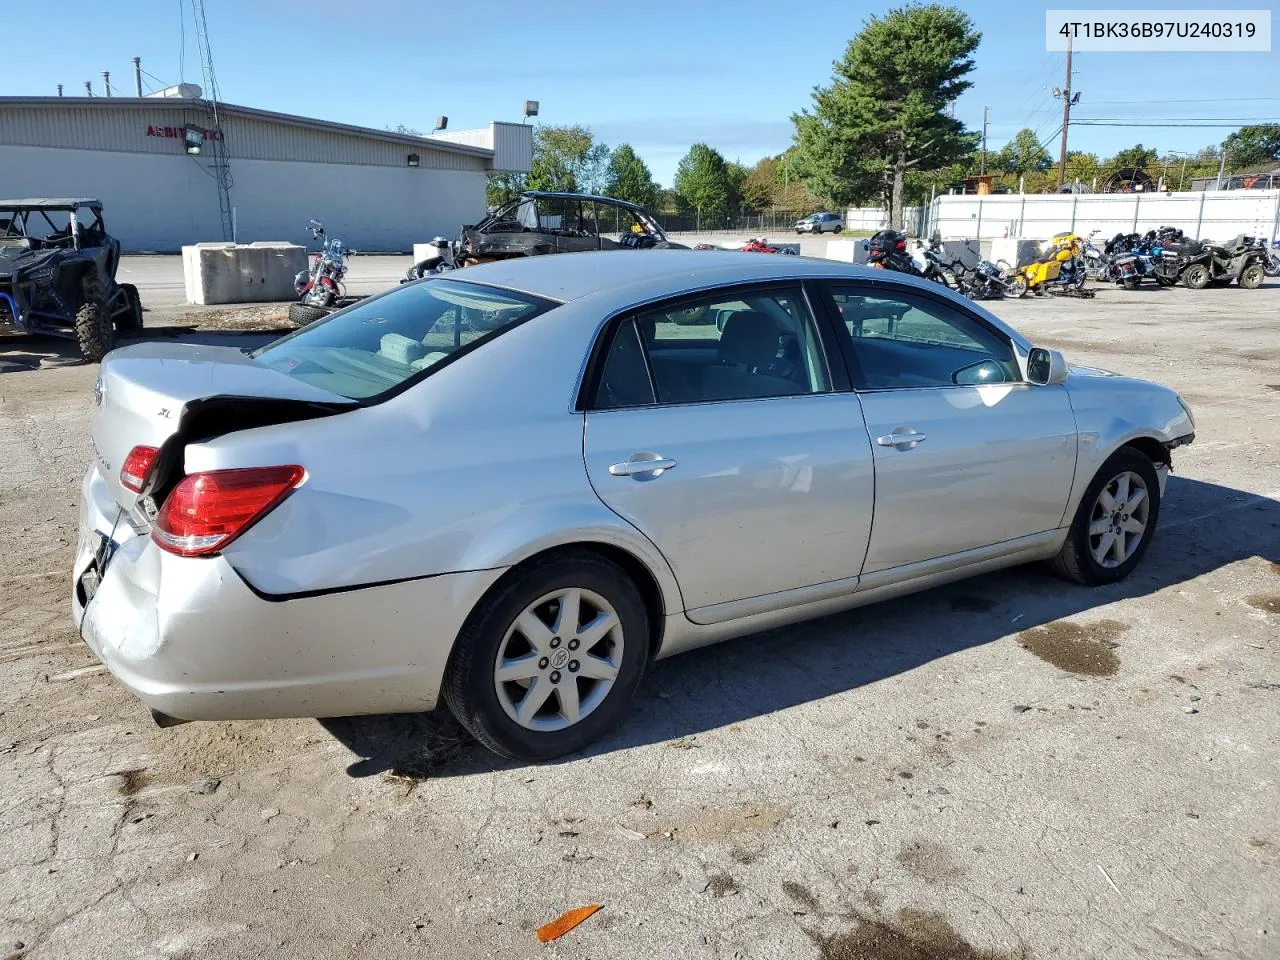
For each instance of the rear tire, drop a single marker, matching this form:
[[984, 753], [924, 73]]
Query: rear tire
[[493, 639], [304, 313], [1196, 276], [1251, 276], [1131, 283], [94, 332], [130, 322], [1078, 558], [1019, 285]]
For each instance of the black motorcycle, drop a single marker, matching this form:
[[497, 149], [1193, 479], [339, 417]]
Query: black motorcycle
[[887, 250], [1270, 256]]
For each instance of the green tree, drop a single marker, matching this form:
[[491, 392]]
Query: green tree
[[1252, 145], [737, 175], [501, 187], [1024, 154], [884, 113], [629, 178], [567, 159], [404, 131], [1081, 166], [702, 182], [762, 184], [1136, 156]]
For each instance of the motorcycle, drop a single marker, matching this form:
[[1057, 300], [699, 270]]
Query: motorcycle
[[444, 258], [887, 250], [322, 285], [1270, 256], [988, 281], [761, 245], [933, 266], [1060, 271], [1097, 260]]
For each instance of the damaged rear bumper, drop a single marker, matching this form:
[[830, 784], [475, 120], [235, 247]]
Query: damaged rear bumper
[[192, 641]]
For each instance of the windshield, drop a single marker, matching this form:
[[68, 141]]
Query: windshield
[[377, 345]]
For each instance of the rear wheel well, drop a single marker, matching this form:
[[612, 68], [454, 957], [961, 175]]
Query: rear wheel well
[[634, 568], [1152, 449]]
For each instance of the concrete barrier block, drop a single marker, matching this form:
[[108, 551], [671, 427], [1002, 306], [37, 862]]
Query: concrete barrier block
[[1017, 251], [424, 251], [260, 272], [968, 252], [846, 251]]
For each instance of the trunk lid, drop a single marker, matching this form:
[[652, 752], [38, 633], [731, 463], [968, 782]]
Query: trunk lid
[[165, 395]]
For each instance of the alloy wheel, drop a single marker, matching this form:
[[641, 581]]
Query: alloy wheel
[[559, 659], [1118, 522]]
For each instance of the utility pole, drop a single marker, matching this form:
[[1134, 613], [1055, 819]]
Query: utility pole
[[1067, 100], [982, 168], [1222, 165]]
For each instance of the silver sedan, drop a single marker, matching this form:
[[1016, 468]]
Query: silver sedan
[[516, 485]]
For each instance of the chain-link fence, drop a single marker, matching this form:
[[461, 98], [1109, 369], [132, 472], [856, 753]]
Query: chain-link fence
[[772, 221]]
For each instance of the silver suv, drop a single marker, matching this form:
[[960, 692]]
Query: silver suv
[[820, 223]]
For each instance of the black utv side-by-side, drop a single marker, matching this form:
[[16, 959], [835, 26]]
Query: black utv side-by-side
[[58, 274]]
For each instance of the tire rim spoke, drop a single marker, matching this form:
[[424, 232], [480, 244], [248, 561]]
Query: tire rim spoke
[[549, 673], [1118, 523]]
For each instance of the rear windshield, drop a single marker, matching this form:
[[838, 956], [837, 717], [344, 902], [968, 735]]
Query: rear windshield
[[377, 345]]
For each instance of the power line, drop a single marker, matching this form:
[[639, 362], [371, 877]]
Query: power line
[[1181, 119], [1183, 126], [1110, 103]]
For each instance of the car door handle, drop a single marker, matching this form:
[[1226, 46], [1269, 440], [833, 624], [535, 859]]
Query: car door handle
[[904, 440], [642, 466]]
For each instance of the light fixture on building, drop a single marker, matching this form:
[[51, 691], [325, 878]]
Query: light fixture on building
[[414, 160], [530, 109], [192, 139], [441, 123]]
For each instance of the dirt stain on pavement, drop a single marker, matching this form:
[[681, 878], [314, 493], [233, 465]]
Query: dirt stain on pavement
[[929, 861], [1269, 603], [800, 894], [1086, 649], [970, 604], [131, 781], [718, 823], [912, 935], [722, 885]]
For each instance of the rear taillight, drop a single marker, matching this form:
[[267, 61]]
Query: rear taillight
[[206, 511], [136, 467]]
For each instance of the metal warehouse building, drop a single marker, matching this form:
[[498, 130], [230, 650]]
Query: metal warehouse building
[[377, 191]]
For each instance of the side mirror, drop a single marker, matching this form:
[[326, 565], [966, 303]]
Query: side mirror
[[1046, 367]]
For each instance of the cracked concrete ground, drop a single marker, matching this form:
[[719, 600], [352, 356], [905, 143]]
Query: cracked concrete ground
[[1006, 767]]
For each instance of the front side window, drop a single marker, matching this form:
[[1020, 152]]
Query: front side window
[[375, 346], [717, 347], [902, 339]]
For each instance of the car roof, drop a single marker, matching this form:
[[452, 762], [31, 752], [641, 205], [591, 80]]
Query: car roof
[[45, 203], [630, 277], [555, 195]]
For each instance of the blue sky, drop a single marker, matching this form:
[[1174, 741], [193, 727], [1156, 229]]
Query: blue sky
[[658, 74]]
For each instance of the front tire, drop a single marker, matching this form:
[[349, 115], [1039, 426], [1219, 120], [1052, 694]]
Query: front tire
[[304, 313], [550, 659], [1251, 276], [1114, 523]]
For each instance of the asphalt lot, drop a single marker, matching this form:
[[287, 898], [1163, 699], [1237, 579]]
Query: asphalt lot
[[1009, 767]]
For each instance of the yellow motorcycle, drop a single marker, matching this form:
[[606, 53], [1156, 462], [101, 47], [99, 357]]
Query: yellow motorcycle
[[1061, 270]]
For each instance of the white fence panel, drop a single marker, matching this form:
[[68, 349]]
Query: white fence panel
[[1215, 214]]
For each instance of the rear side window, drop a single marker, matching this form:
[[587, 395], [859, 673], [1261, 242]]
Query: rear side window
[[376, 346], [737, 346]]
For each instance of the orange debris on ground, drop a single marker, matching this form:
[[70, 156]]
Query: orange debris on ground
[[565, 922]]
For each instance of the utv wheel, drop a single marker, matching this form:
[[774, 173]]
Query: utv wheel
[[1251, 276], [130, 321], [94, 332], [550, 659], [1196, 276], [1114, 523], [304, 313]]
